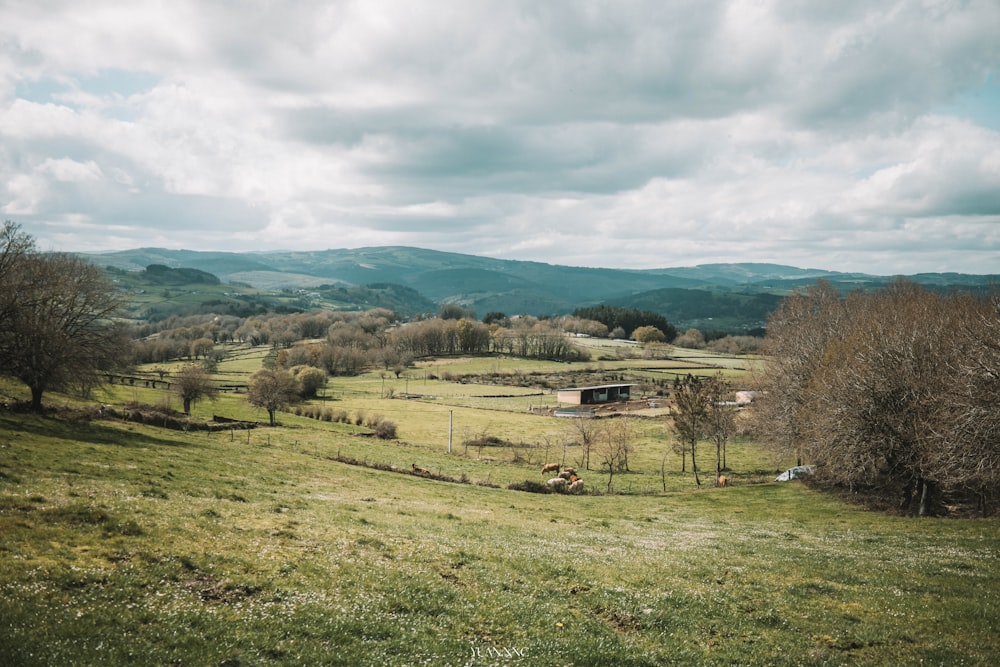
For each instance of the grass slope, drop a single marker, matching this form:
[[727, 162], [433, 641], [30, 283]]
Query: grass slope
[[127, 544]]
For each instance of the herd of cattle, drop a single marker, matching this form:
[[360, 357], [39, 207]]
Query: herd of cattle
[[566, 481]]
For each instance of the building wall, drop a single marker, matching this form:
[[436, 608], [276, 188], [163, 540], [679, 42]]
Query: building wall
[[571, 396], [594, 395]]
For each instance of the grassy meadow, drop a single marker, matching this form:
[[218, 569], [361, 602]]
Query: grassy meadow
[[125, 543]]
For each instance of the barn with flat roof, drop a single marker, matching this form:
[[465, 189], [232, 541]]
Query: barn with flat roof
[[605, 393]]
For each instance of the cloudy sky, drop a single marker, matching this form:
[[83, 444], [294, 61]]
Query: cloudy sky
[[859, 135]]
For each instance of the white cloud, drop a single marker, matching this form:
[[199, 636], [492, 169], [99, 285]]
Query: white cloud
[[71, 171], [637, 134], [943, 167]]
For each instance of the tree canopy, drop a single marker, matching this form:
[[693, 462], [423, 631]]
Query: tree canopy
[[690, 416], [628, 319], [892, 391], [272, 390], [648, 334], [193, 383], [59, 326]]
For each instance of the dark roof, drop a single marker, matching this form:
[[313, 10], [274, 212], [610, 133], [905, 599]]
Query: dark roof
[[598, 386]]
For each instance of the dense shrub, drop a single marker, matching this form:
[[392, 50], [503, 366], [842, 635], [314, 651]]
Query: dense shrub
[[892, 391], [385, 429], [735, 345]]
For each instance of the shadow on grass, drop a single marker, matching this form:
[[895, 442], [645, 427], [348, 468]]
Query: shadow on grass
[[86, 431]]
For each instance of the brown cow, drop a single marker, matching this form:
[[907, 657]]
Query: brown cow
[[420, 471], [550, 467]]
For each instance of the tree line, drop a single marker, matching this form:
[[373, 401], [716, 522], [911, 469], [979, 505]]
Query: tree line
[[348, 342], [624, 321], [892, 393]]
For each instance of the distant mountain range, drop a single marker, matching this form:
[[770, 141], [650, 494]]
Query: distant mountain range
[[728, 297]]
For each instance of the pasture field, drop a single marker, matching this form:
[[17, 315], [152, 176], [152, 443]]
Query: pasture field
[[432, 403], [125, 543]]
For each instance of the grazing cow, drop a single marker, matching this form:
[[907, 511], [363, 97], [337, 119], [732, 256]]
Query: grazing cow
[[557, 483], [576, 486], [420, 471], [722, 481], [550, 467]]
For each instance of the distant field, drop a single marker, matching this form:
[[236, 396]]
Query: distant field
[[125, 543], [427, 407]]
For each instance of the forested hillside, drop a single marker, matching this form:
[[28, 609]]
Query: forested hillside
[[733, 298]]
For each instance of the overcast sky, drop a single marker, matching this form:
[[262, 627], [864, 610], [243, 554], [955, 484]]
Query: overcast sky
[[857, 135]]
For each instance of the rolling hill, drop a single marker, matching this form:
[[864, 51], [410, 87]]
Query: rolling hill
[[732, 297]]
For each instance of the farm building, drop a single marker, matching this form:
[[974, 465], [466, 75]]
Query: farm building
[[605, 393]]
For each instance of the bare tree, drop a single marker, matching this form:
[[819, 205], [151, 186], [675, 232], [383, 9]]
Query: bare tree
[[681, 449], [201, 347], [969, 457], [690, 416], [15, 245], [609, 450], [271, 390], [798, 333], [619, 429], [894, 391], [720, 419], [584, 429], [193, 383], [60, 326], [663, 469]]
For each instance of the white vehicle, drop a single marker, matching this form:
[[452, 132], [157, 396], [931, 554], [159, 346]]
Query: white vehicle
[[795, 473]]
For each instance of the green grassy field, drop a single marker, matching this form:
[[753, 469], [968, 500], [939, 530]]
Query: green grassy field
[[124, 543]]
